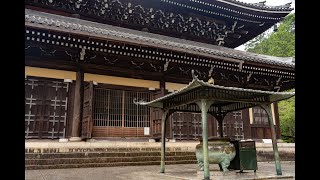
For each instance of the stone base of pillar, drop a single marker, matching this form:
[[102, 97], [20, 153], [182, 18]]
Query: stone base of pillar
[[217, 173], [63, 140], [91, 140], [75, 139], [280, 141]]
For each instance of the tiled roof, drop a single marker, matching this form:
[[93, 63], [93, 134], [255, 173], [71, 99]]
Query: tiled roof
[[261, 5], [79, 26], [196, 83]]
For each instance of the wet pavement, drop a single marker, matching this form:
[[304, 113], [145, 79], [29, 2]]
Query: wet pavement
[[266, 170]]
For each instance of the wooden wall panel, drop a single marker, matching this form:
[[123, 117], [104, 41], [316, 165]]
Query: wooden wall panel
[[117, 132]]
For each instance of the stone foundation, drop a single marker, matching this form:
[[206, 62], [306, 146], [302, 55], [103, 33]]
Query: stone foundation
[[45, 155]]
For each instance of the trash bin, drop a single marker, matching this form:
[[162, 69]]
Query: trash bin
[[246, 156]]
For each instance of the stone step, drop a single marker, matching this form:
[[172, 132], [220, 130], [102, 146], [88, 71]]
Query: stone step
[[51, 158], [263, 156], [120, 149], [89, 165], [103, 160], [101, 154]]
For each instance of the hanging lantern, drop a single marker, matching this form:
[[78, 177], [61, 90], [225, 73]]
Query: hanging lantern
[[275, 28]]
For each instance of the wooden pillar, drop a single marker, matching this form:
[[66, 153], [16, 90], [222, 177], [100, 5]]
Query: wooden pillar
[[165, 115], [163, 87], [267, 108], [75, 132], [246, 123], [169, 134], [277, 120], [220, 116], [220, 127]]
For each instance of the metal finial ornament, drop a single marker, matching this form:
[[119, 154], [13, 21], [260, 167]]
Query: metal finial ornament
[[135, 101], [193, 76], [211, 81], [82, 53]]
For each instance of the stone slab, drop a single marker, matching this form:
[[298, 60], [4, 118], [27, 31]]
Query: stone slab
[[151, 172]]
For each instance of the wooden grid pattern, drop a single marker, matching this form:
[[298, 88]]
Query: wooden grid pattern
[[46, 105], [156, 125], [107, 108], [260, 116], [186, 126], [232, 125], [136, 116], [115, 114]]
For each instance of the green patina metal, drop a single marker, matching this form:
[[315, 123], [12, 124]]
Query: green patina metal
[[163, 139], [202, 97], [221, 152], [246, 156], [164, 118], [267, 108], [204, 106]]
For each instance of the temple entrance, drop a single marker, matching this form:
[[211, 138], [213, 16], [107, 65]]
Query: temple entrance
[[115, 114], [46, 106], [186, 126], [233, 125]]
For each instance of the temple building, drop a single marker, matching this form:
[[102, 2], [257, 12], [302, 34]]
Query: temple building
[[87, 60]]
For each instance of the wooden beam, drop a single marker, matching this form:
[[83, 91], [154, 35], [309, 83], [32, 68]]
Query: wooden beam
[[277, 119]]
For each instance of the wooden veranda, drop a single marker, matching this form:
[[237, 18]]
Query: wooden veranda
[[200, 96]]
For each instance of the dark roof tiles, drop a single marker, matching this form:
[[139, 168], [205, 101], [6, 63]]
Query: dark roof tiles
[[262, 6], [63, 23]]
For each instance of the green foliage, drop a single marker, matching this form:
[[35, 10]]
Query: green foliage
[[287, 119], [280, 43]]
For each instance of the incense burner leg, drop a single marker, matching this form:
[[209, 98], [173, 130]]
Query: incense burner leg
[[221, 169], [200, 164], [225, 164]]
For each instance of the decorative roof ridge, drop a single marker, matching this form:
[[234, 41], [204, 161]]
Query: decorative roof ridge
[[261, 5], [197, 83], [108, 31], [235, 88], [287, 59]]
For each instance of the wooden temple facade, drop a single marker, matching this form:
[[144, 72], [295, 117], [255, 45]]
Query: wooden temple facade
[[86, 61]]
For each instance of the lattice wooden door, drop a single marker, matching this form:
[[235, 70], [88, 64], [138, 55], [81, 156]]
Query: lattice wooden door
[[156, 115], [87, 113], [260, 128], [46, 103], [195, 131], [232, 125], [186, 126], [115, 114]]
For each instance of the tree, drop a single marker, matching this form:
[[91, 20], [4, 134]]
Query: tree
[[280, 43], [287, 119]]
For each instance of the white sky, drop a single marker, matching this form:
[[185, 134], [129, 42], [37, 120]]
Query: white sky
[[270, 3]]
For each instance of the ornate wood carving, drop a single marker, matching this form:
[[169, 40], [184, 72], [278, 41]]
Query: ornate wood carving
[[66, 50], [148, 18]]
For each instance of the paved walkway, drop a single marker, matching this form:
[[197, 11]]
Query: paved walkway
[[173, 172]]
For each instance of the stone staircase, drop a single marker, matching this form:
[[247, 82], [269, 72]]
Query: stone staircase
[[104, 158], [55, 155]]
